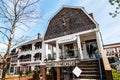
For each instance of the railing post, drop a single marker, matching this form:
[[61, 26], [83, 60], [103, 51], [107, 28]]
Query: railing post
[[108, 71]]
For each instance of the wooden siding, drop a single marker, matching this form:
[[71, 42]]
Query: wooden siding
[[68, 21]]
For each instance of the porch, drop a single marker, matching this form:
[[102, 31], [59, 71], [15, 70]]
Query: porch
[[75, 46]]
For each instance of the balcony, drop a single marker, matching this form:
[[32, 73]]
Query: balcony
[[69, 54], [25, 60]]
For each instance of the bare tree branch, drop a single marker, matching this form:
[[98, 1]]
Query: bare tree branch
[[115, 3], [4, 34], [15, 13]]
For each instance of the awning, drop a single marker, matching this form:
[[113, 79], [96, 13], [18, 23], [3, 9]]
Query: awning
[[25, 56], [28, 56], [22, 57], [37, 55]]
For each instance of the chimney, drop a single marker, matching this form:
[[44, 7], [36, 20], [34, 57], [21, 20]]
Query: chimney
[[91, 15], [39, 36]]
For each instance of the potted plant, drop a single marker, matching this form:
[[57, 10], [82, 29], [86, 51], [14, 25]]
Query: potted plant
[[27, 73], [20, 74]]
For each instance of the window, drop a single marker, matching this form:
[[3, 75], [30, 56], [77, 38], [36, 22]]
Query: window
[[12, 69], [118, 49], [26, 47], [110, 50], [38, 56], [38, 45], [49, 47]]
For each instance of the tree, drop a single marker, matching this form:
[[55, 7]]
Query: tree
[[13, 14], [116, 3]]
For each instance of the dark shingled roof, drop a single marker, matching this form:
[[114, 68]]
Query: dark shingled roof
[[68, 21]]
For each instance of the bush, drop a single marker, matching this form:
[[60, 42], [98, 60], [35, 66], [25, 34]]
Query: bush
[[116, 75], [20, 73], [35, 72], [27, 72]]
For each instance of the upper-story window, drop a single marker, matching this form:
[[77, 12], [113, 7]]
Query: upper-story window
[[49, 47], [14, 59], [13, 52], [38, 45], [38, 56], [26, 47], [110, 51], [118, 50]]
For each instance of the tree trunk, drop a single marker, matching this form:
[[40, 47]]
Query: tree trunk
[[5, 68]]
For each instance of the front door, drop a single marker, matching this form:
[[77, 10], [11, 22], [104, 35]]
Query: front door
[[69, 49], [91, 45], [66, 73]]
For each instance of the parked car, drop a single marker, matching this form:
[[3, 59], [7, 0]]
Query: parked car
[[116, 65]]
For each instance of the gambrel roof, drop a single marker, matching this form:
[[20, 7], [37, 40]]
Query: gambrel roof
[[67, 21]]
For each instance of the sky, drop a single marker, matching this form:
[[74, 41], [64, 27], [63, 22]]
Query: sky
[[109, 27]]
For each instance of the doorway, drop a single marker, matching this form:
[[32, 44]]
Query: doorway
[[66, 73], [51, 73], [91, 45]]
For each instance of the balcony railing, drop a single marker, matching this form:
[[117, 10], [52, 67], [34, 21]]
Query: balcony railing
[[69, 54], [65, 55], [25, 60], [37, 59], [13, 60]]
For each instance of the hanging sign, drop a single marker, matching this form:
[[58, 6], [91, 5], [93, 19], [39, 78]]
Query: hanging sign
[[77, 71]]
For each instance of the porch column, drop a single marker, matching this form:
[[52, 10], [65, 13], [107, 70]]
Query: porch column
[[75, 49], [58, 73], [57, 52], [44, 51], [33, 47], [63, 51], [79, 47], [32, 57], [52, 55], [99, 40]]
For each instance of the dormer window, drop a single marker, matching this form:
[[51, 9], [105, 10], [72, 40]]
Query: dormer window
[[38, 45]]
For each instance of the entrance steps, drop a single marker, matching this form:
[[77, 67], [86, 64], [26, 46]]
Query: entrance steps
[[91, 70]]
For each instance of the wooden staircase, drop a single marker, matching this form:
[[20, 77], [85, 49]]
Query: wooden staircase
[[91, 70]]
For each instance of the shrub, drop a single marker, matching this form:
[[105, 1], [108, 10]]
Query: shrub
[[20, 73], [35, 72], [27, 72], [116, 75]]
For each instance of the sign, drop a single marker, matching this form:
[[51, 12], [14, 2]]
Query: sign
[[62, 63], [77, 71], [67, 38]]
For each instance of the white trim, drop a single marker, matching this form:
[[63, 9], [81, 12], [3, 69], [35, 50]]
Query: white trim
[[69, 7], [79, 47], [57, 53], [67, 38], [79, 33], [99, 41]]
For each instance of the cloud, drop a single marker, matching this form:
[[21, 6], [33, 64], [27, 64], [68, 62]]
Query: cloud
[[2, 47]]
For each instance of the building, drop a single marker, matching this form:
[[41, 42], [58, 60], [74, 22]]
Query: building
[[112, 51], [74, 34], [27, 56], [70, 41]]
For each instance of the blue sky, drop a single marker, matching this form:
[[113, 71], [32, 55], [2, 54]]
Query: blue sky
[[109, 27]]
